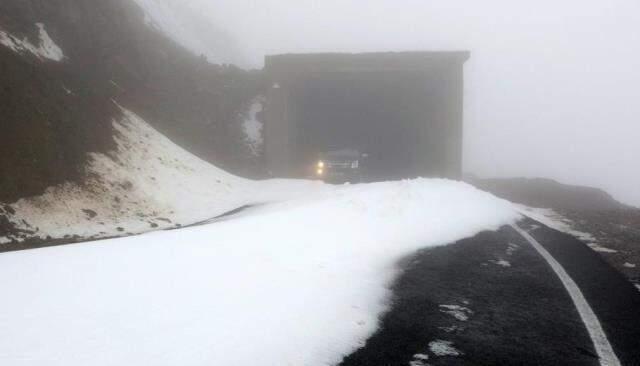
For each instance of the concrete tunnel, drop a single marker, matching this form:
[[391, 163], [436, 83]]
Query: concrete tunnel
[[405, 110]]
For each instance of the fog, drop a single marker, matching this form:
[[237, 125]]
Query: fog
[[552, 88]]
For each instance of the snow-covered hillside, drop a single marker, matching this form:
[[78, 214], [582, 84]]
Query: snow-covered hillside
[[147, 183], [300, 280]]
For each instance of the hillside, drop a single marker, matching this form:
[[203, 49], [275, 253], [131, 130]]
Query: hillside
[[547, 193], [56, 110]]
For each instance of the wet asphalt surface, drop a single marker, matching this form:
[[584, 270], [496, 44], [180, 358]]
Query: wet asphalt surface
[[493, 300]]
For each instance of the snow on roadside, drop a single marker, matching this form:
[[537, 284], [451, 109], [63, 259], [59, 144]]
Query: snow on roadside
[[558, 222], [442, 348], [297, 282], [461, 313], [47, 48]]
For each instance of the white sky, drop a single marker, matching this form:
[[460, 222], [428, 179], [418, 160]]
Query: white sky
[[552, 87]]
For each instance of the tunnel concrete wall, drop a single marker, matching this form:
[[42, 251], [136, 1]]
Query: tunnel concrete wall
[[418, 94]]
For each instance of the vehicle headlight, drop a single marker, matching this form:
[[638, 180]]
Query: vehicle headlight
[[320, 171], [321, 164]]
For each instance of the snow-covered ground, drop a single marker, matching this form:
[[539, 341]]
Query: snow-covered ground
[[46, 49], [301, 280]]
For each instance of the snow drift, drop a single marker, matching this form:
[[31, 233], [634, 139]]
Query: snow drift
[[46, 49], [301, 280]]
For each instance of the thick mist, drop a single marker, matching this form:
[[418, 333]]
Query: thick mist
[[552, 88]]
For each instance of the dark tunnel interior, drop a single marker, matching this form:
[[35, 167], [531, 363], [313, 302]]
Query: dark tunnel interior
[[374, 113]]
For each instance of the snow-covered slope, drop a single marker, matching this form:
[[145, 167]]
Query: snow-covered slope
[[147, 183]]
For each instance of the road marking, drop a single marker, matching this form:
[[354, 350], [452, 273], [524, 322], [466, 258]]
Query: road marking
[[589, 318]]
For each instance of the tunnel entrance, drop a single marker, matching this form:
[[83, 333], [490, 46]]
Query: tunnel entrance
[[359, 112], [403, 110]]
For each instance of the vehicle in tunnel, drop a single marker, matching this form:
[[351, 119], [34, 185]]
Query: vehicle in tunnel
[[341, 166], [404, 109]]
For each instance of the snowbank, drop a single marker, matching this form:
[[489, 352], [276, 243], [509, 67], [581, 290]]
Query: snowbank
[[47, 49], [300, 282]]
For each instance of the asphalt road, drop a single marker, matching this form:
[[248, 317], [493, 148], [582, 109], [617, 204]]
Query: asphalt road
[[494, 300]]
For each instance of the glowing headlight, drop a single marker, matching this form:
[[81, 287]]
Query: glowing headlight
[[320, 164], [320, 171]]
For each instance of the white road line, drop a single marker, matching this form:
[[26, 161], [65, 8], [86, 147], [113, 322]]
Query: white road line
[[589, 318]]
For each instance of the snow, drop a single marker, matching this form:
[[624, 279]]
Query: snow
[[419, 359], [461, 313], [252, 127], [47, 49], [558, 222], [629, 265], [601, 249], [421, 356], [299, 280], [501, 262], [442, 348], [67, 90], [512, 248], [142, 186], [450, 329]]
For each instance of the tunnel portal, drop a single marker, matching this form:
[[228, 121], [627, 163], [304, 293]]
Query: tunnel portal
[[404, 110]]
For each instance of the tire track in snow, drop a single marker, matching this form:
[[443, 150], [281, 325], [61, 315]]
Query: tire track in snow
[[599, 338]]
